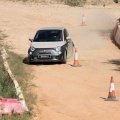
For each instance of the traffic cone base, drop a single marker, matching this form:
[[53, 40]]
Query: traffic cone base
[[74, 65], [113, 98], [83, 24]]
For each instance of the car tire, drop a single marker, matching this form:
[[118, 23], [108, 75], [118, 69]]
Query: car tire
[[73, 44], [64, 58]]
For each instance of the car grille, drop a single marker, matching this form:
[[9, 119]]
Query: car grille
[[46, 52]]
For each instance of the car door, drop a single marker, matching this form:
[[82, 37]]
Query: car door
[[69, 43]]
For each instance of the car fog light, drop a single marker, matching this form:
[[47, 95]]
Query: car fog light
[[30, 53]]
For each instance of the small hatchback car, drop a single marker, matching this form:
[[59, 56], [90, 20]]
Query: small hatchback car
[[51, 44]]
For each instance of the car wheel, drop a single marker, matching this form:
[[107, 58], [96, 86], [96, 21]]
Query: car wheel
[[64, 58], [73, 44]]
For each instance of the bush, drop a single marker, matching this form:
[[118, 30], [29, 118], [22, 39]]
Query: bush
[[75, 2], [116, 1]]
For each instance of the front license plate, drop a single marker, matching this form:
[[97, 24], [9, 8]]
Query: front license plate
[[44, 56]]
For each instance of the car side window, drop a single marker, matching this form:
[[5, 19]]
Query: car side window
[[65, 34]]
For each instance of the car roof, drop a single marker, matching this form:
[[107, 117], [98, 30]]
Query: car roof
[[52, 28]]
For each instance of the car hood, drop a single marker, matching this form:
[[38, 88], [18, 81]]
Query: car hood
[[47, 44]]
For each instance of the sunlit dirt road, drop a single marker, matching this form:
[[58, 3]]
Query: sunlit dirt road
[[65, 92]]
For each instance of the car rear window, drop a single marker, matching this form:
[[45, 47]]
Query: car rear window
[[48, 36]]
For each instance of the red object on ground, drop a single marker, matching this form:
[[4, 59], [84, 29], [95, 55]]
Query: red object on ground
[[10, 106]]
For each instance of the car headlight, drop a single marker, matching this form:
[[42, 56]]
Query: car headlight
[[58, 48], [32, 48]]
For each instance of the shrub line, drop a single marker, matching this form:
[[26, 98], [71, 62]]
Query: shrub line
[[17, 87]]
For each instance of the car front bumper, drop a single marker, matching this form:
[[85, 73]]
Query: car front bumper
[[45, 56]]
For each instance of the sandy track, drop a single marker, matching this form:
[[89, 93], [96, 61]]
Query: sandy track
[[64, 92]]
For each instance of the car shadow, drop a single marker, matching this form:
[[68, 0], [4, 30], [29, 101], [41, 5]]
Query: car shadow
[[25, 61]]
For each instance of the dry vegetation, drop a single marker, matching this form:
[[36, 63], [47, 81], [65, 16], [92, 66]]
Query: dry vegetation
[[72, 2]]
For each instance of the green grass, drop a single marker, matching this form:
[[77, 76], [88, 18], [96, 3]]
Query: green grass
[[15, 117], [7, 89], [23, 77]]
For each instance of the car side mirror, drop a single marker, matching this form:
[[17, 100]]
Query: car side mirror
[[68, 38], [30, 39]]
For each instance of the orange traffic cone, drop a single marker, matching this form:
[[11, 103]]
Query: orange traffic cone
[[76, 61], [111, 96], [83, 20]]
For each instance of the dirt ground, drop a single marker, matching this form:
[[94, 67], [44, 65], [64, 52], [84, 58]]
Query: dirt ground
[[65, 92]]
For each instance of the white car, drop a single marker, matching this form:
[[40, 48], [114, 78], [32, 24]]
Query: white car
[[51, 44]]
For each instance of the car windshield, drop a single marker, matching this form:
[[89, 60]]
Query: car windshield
[[48, 36]]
